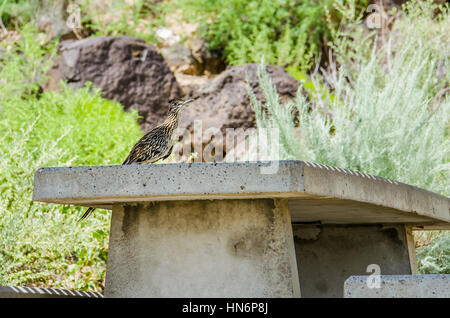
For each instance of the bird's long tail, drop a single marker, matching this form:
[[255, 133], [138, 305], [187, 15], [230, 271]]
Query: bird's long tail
[[90, 210], [86, 214]]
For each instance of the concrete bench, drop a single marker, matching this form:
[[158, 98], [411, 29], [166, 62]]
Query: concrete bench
[[398, 286], [36, 292], [237, 230]]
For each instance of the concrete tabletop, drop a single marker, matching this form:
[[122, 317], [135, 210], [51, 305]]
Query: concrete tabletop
[[316, 193]]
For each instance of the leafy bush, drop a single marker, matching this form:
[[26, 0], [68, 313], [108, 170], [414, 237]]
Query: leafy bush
[[435, 258], [41, 244], [17, 12], [388, 114], [119, 17], [387, 120], [285, 32]]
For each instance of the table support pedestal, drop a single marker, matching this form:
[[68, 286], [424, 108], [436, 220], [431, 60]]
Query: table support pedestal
[[205, 248]]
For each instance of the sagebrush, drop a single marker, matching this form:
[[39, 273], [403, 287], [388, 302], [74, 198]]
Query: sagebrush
[[389, 115]]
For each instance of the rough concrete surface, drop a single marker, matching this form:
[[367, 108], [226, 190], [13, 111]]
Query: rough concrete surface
[[399, 286], [315, 192], [224, 229], [327, 255], [230, 248]]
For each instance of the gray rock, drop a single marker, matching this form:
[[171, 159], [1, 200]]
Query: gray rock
[[126, 69], [211, 61], [223, 102], [179, 58]]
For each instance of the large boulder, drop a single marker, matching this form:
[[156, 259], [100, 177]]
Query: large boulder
[[126, 69], [223, 102]]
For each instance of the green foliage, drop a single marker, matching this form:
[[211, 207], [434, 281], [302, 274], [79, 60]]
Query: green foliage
[[382, 108], [435, 258], [388, 114], [16, 13], [423, 22], [284, 32], [41, 244], [387, 119], [118, 17], [313, 88]]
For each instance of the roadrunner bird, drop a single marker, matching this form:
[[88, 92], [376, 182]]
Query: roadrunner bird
[[156, 144]]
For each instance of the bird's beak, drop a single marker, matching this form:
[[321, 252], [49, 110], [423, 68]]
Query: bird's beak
[[187, 101]]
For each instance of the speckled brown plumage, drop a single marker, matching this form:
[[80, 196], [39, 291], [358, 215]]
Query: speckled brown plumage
[[156, 144]]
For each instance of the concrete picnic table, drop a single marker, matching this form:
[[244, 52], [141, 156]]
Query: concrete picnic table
[[242, 230]]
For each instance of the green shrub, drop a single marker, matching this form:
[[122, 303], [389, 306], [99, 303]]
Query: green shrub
[[385, 126], [17, 12], [285, 32], [119, 17], [42, 244], [435, 258], [386, 119], [388, 114]]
